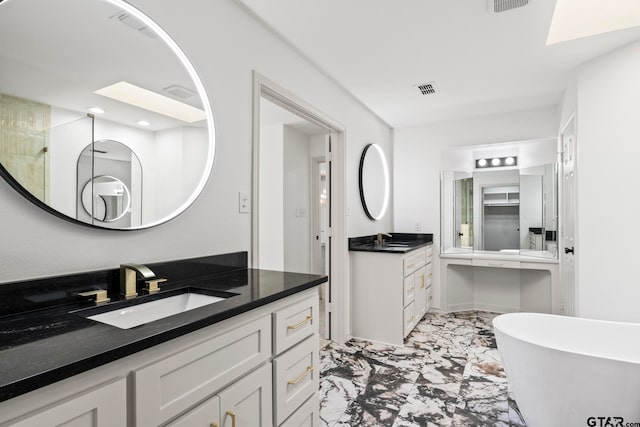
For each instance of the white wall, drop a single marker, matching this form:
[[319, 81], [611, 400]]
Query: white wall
[[608, 102], [297, 201], [226, 44], [417, 160], [271, 198]]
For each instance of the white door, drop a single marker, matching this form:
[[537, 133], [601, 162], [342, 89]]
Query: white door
[[567, 220]]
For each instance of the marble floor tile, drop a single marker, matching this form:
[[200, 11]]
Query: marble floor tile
[[448, 373]]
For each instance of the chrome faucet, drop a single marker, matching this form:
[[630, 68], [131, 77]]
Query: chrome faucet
[[380, 240], [128, 278]]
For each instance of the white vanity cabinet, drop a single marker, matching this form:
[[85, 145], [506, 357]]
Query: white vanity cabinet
[[391, 293], [247, 402], [267, 396], [257, 369], [172, 385], [101, 406]]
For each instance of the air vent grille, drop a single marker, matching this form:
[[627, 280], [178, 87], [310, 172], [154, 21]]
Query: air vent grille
[[427, 88], [498, 6], [133, 23], [179, 91]]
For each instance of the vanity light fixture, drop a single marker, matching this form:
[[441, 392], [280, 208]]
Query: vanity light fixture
[[496, 162], [96, 110], [143, 123], [152, 101]]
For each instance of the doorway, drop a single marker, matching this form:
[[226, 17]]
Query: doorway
[[296, 184], [567, 220]]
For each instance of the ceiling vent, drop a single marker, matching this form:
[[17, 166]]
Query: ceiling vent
[[497, 6], [133, 23], [427, 88], [178, 91]]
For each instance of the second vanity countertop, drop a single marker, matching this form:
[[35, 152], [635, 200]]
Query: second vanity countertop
[[41, 347], [399, 243]]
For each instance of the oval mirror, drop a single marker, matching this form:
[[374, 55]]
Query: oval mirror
[[106, 199], [76, 73], [374, 182]]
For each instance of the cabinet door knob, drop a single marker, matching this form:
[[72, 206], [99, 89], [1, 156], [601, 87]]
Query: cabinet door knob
[[233, 418]]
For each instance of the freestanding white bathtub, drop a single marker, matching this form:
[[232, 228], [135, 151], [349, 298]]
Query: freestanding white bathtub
[[567, 371]]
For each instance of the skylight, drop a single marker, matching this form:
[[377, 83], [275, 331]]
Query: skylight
[[152, 101]]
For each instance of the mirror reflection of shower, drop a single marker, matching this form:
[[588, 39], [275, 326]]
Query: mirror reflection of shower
[[109, 185]]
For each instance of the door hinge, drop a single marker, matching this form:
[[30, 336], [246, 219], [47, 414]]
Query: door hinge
[[329, 232], [329, 156]]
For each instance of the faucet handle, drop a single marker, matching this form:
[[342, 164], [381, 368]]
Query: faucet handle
[[98, 295], [153, 285]]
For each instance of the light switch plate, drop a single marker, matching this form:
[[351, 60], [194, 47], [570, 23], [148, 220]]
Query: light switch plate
[[243, 202]]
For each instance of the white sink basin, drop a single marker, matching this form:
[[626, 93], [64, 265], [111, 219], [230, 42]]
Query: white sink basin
[[129, 317]]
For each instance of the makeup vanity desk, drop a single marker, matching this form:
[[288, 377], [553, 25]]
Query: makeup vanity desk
[[499, 282]]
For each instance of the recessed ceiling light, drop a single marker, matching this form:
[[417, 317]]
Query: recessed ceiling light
[[509, 161], [573, 19], [143, 123], [482, 162], [152, 101], [495, 162], [96, 110]]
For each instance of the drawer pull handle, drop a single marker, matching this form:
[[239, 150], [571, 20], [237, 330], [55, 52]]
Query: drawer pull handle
[[421, 282], [214, 424], [304, 374], [297, 325], [233, 418]]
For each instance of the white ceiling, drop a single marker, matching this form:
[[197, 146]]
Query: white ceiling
[[482, 63]]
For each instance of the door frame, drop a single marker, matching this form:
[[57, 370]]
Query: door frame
[[339, 273], [573, 306]]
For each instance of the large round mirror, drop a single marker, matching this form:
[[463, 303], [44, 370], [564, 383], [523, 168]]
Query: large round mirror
[[374, 182], [76, 73]]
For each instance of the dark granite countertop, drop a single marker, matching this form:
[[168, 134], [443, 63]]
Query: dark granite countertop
[[47, 344], [399, 243]]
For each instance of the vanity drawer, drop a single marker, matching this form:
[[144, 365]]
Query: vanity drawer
[[294, 323], [206, 414], [296, 377], [409, 318], [409, 264], [168, 387], [409, 285], [308, 415], [495, 263], [419, 257], [104, 405]]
